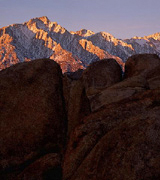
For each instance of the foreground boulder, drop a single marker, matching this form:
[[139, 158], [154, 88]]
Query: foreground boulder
[[119, 139], [77, 103], [32, 115], [142, 73], [80, 88], [100, 75], [146, 66], [113, 124], [141, 64]]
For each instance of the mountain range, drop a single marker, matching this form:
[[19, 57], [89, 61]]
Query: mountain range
[[40, 38]]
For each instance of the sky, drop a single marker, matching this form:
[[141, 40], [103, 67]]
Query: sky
[[121, 18]]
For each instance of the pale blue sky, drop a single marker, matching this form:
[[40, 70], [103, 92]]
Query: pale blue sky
[[122, 18]]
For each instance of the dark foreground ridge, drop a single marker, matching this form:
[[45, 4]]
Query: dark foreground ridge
[[90, 125]]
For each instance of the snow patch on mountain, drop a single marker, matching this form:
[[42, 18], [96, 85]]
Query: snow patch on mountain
[[41, 38], [140, 41]]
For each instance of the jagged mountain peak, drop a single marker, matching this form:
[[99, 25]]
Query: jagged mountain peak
[[106, 34], [83, 32], [38, 22], [41, 38], [44, 19], [44, 24], [136, 37], [55, 27], [155, 36]]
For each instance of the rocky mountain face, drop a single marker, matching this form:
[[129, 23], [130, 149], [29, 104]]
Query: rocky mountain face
[[41, 38], [91, 124]]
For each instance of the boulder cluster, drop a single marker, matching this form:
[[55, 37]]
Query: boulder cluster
[[93, 124]]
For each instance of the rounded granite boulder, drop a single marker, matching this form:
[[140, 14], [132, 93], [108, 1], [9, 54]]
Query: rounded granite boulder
[[32, 114], [100, 75], [141, 64]]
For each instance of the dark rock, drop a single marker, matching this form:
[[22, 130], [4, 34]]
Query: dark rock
[[77, 103], [119, 140], [81, 86], [141, 64], [113, 124], [32, 115], [75, 75], [45, 168], [100, 75]]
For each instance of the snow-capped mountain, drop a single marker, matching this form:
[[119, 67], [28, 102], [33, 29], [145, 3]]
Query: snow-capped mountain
[[41, 38]]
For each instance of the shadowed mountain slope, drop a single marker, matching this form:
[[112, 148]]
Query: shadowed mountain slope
[[41, 38]]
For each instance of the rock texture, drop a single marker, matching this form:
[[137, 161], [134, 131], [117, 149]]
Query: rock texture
[[76, 100], [79, 92], [41, 38], [32, 114], [100, 75], [119, 139], [141, 65], [112, 121], [47, 167]]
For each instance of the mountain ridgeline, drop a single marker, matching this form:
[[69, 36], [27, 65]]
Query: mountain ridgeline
[[40, 38]]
